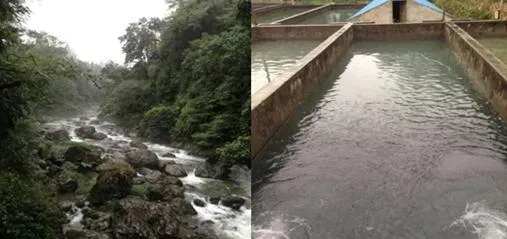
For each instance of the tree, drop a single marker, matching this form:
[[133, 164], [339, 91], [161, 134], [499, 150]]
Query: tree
[[140, 40]]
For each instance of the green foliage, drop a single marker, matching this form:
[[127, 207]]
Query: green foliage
[[196, 87], [467, 9], [140, 40], [140, 190], [111, 206], [85, 182], [26, 212], [157, 123], [237, 151], [128, 101]]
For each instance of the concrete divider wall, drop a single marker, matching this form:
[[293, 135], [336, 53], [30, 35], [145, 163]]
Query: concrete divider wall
[[489, 74], [266, 9], [304, 15], [399, 31], [295, 19], [484, 28], [290, 32], [274, 104]]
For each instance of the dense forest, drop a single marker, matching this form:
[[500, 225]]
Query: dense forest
[[185, 81]]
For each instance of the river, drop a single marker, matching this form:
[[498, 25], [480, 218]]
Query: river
[[394, 143], [226, 223]]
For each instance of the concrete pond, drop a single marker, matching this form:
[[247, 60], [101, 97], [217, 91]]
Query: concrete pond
[[380, 130], [278, 14]]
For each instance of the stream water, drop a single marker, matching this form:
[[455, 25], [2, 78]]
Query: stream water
[[394, 143], [226, 223]]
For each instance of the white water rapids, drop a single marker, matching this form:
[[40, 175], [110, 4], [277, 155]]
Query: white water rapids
[[226, 223]]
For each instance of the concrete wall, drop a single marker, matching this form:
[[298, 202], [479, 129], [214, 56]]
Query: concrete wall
[[292, 32], [414, 13], [304, 15], [266, 9], [489, 74], [400, 31], [381, 14], [420, 13], [274, 103], [484, 28]]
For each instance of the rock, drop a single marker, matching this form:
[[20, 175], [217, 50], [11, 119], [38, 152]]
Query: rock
[[85, 132], [142, 158], [214, 200], [150, 175], [75, 233], [233, 202], [199, 202], [53, 170], [138, 144], [163, 163], [96, 220], [166, 188], [95, 122], [188, 209], [83, 118], [83, 156], [207, 170], [99, 136], [58, 135], [66, 184], [69, 166], [141, 219], [169, 155], [66, 206], [176, 170], [112, 183]]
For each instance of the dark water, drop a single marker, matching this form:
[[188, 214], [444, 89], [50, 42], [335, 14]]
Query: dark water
[[393, 144], [279, 14], [331, 16]]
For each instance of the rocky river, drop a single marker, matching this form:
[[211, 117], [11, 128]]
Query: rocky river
[[121, 186]]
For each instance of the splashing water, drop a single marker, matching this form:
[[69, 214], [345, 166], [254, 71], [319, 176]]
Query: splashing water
[[483, 221], [281, 227]]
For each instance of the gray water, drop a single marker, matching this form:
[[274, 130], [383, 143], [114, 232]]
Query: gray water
[[331, 16], [394, 143], [271, 58], [279, 14], [497, 46]]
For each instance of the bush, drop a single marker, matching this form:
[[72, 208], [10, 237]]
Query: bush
[[235, 152], [157, 123], [26, 211], [140, 190]]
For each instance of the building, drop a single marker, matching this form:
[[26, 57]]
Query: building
[[394, 11]]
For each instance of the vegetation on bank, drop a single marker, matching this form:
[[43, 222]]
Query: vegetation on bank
[[468, 9], [187, 79]]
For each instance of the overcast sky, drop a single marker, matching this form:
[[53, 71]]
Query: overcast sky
[[91, 27]]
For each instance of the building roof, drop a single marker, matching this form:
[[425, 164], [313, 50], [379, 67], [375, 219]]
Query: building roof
[[375, 3]]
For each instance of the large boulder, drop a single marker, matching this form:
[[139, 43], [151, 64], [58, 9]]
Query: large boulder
[[89, 132], [58, 135], [165, 188], [142, 219], [176, 170], [208, 170], [188, 209], [86, 156], [114, 181], [85, 132], [66, 184], [142, 158], [233, 202], [138, 144]]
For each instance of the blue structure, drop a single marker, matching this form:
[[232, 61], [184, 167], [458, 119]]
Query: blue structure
[[376, 3]]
